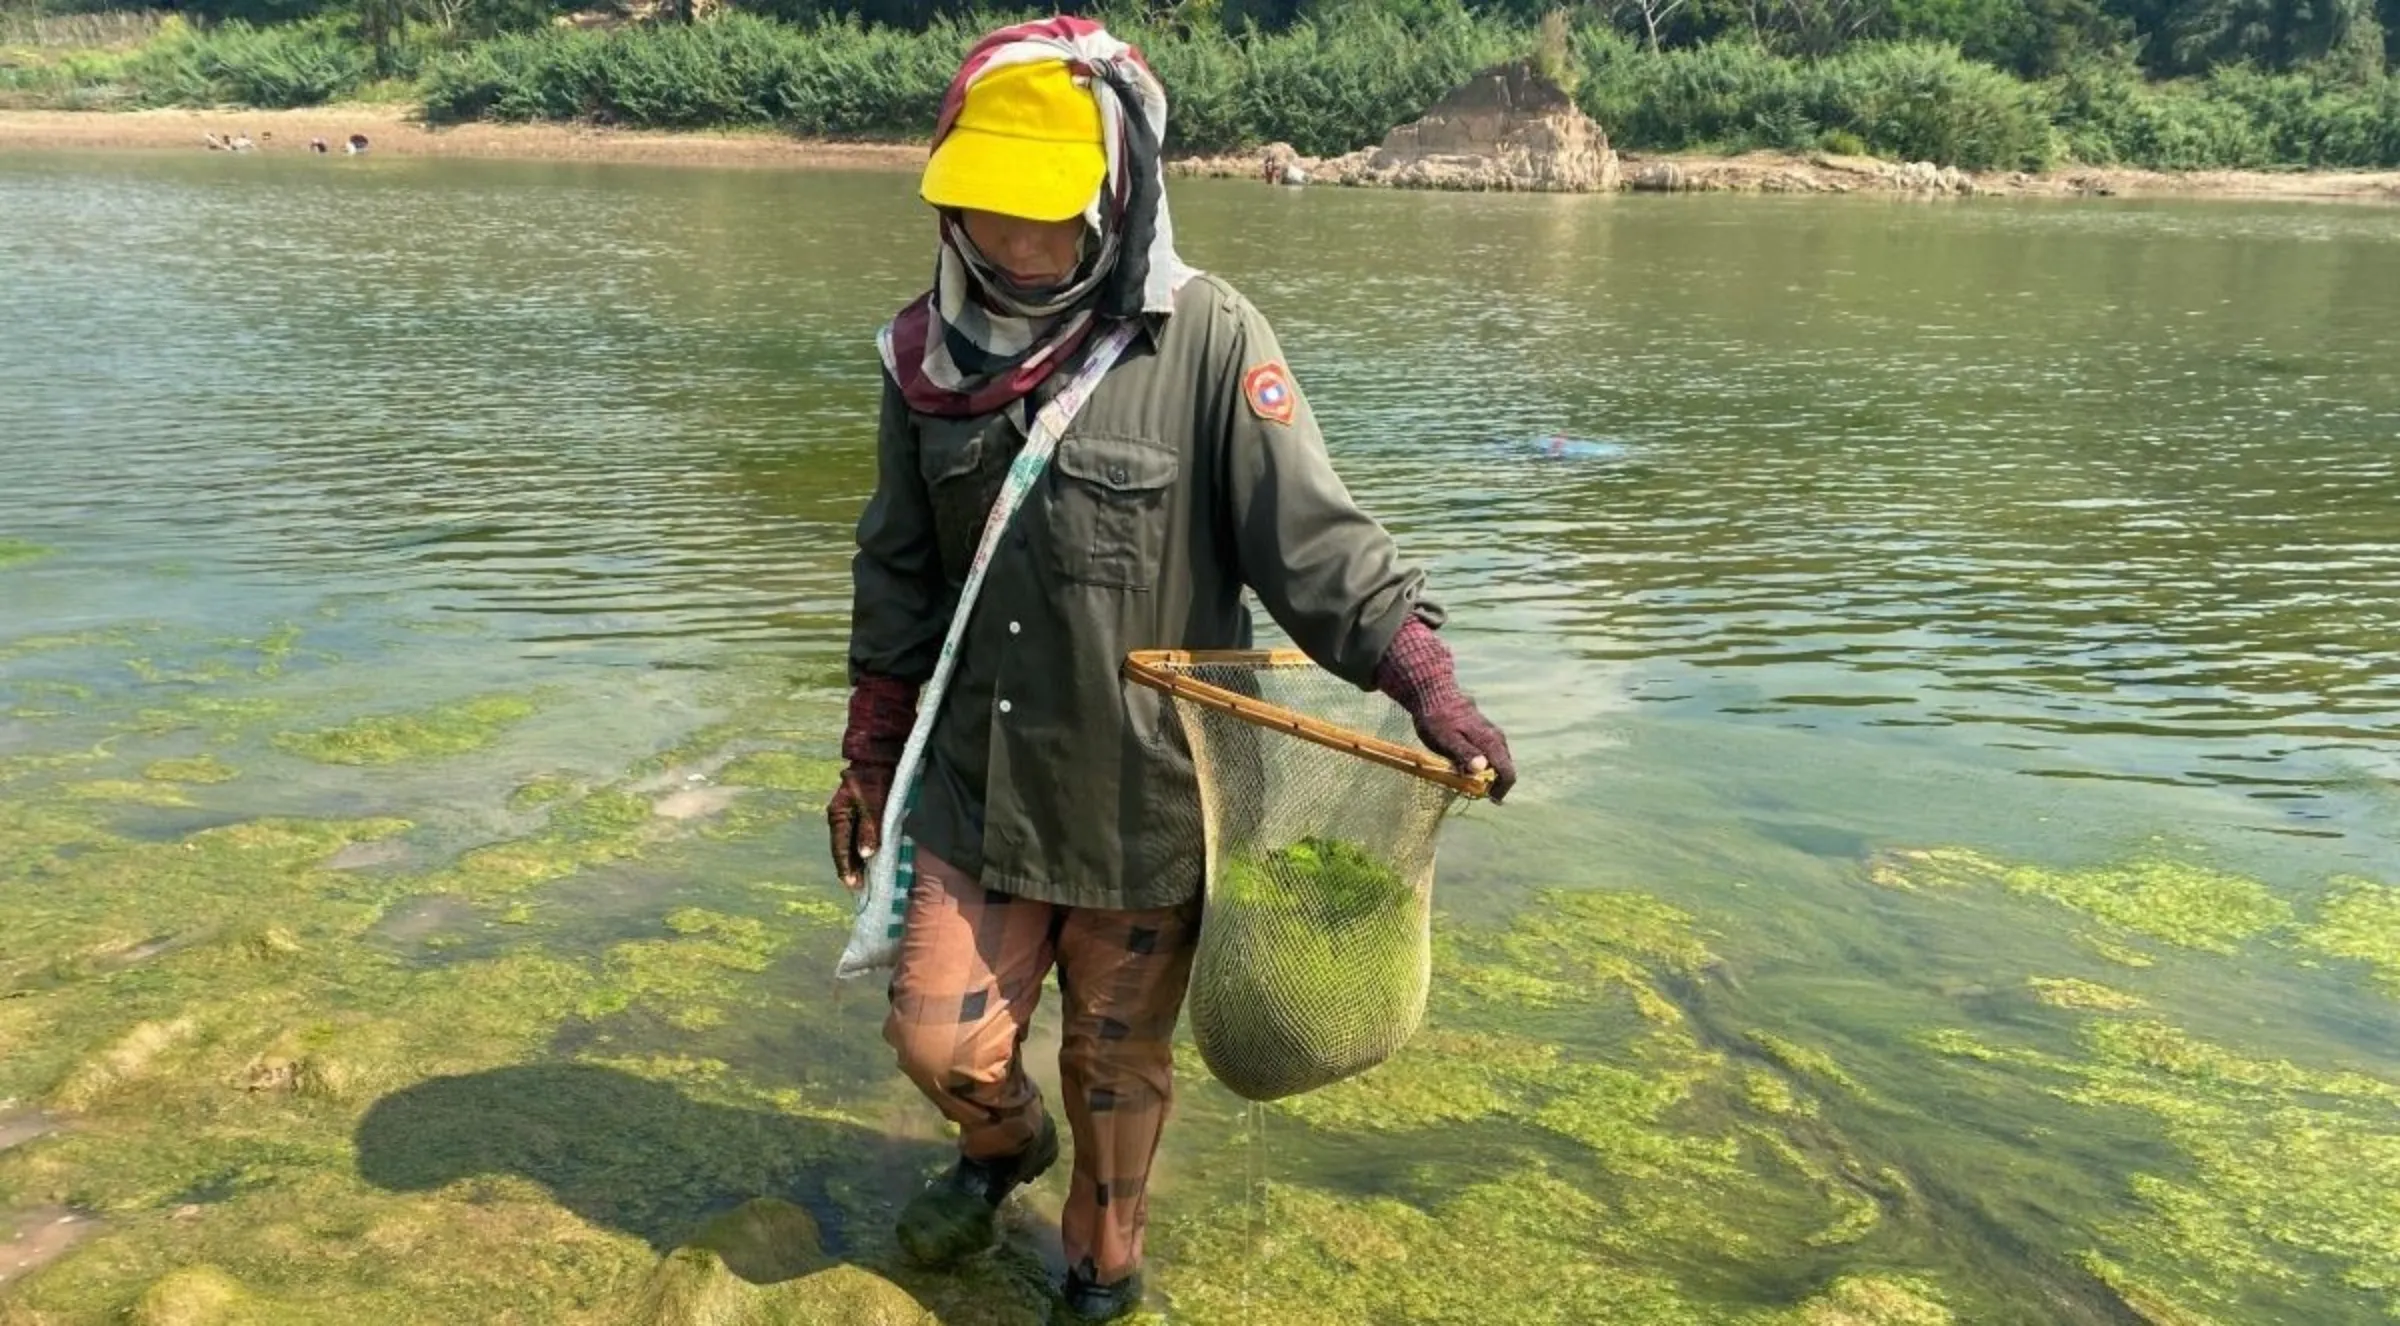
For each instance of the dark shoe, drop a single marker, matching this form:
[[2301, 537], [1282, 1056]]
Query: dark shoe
[[1088, 1301], [957, 1214]]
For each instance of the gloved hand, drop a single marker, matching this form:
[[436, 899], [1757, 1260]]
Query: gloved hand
[[882, 710], [1417, 671]]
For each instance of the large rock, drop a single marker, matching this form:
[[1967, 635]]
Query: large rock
[[1508, 128], [761, 1265]]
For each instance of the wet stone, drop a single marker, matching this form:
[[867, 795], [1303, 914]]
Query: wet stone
[[19, 1126], [33, 1239], [694, 803], [362, 856], [421, 919]]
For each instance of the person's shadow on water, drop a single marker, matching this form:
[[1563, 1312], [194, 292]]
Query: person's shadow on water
[[626, 1152]]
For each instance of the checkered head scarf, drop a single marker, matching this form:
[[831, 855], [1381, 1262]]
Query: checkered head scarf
[[976, 342]]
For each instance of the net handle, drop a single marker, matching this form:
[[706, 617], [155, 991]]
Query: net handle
[[1156, 669]]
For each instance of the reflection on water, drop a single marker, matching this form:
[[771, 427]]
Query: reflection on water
[[1779, 533]]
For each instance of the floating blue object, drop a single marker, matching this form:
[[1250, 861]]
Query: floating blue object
[[1558, 446]]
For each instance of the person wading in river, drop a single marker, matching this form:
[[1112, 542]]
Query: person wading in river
[[1194, 469]]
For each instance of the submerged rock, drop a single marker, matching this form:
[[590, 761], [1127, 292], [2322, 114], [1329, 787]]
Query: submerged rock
[[121, 1063], [30, 1240], [763, 1241], [761, 1265], [848, 1296], [1508, 128], [1658, 177], [1877, 1301], [19, 1125], [193, 1296]]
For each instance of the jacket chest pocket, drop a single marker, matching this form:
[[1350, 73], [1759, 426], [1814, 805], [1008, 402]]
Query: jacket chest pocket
[[1109, 508], [962, 465]]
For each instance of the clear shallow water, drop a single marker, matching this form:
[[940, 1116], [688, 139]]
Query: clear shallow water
[[2057, 532]]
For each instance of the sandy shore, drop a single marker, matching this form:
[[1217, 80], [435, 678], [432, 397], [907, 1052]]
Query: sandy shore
[[391, 130]]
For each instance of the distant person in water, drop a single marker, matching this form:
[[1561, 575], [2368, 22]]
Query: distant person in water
[[358, 144], [1042, 821], [317, 145]]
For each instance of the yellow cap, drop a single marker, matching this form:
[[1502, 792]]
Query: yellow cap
[[1026, 144]]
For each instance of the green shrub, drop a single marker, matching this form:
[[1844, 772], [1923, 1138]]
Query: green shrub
[[1910, 100], [2306, 119], [1727, 95], [297, 64], [1922, 102], [517, 77], [2233, 119], [851, 81]]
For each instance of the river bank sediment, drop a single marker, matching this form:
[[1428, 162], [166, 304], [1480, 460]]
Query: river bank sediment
[[395, 130]]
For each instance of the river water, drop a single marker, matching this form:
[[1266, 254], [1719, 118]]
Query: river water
[[2062, 533]]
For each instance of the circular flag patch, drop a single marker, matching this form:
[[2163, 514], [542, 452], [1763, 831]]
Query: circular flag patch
[[1268, 389]]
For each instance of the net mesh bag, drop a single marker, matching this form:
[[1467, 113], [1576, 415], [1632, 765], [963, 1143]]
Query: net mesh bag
[[1319, 813]]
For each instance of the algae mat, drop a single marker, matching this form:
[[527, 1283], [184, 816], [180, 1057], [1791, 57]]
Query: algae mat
[[576, 1057]]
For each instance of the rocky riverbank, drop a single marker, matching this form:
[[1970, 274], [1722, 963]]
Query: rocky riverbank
[[394, 131], [1826, 173]]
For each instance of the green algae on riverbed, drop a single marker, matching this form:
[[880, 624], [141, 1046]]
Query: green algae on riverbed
[[2285, 1169], [447, 729], [2072, 993], [211, 1099], [2179, 903], [16, 552], [782, 771], [197, 769], [281, 1112], [2280, 1195], [2360, 921], [1620, 1177]]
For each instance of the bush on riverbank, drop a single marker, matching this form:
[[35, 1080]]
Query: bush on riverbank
[[292, 64], [1325, 88], [2233, 119], [1321, 89], [1329, 88], [1908, 100], [231, 63]]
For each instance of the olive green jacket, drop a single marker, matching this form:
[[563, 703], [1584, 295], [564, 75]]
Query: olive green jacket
[[1047, 773]]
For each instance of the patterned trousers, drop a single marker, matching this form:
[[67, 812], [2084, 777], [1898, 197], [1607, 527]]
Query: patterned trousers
[[970, 970]]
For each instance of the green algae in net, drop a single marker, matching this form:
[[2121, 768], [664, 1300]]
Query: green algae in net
[[1316, 816], [1318, 960]]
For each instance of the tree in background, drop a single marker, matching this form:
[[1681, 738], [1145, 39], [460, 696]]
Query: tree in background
[[2183, 37], [2031, 38], [1649, 17], [2272, 34], [1808, 28]]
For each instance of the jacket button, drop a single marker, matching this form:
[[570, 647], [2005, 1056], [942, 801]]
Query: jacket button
[[1116, 474], [1004, 706], [1016, 628]]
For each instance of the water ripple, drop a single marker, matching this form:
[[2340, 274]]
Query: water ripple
[[2116, 482]]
